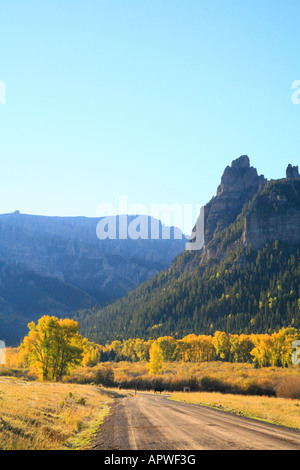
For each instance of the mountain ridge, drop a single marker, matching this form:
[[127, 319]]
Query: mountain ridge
[[53, 260]]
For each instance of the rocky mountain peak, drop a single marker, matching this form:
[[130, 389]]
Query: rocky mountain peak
[[240, 177], [242, 162], [292, 172], [239, 183]]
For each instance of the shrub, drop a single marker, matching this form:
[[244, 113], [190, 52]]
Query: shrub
[[81, 401], [289, 388], [211, 384], [104, 376], [259, 387]]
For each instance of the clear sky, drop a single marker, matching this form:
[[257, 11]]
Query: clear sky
[[148, 99]]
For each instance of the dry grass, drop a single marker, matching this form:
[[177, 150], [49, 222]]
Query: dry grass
[[274, 410], [289, 388], [42, 416]]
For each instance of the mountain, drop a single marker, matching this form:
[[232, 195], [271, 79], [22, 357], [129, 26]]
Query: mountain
[[239, 184], [26, 295], [244, 279], [55, 265]]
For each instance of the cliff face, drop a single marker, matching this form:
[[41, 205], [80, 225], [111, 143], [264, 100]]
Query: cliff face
[[239, 183], [274, 215], [240, 178], [260, 230], [249, 210], [67, 248]]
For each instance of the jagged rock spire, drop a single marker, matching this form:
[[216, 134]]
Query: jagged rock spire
[[241, 162], [292, 172], [239, 183], [239, 177]]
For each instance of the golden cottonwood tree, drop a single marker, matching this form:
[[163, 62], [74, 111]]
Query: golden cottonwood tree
[[53, 347], [156, 358], [221, 342], [169, 347], [91, 353]]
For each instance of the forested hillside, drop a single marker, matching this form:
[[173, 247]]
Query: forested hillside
[[250, 292]]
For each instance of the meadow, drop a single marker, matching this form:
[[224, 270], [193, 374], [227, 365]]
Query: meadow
[[49, 416]]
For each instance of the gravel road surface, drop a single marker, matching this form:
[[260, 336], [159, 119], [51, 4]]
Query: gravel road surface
[[152, 422]]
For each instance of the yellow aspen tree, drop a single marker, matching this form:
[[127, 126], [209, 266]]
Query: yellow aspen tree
[[156, 359]]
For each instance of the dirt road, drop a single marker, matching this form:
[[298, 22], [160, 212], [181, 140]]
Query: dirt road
[[152, 422]]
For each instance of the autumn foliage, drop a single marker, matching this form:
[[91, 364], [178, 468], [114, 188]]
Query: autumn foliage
[[261, 349], [53, 347]]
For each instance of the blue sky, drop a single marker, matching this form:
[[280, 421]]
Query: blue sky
[[144, 99]]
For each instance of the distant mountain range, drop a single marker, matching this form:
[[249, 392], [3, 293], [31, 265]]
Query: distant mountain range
[[55, 265], [245, 278]]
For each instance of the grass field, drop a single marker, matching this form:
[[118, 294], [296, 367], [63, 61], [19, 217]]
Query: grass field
[[42, 416], [280, 411]]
